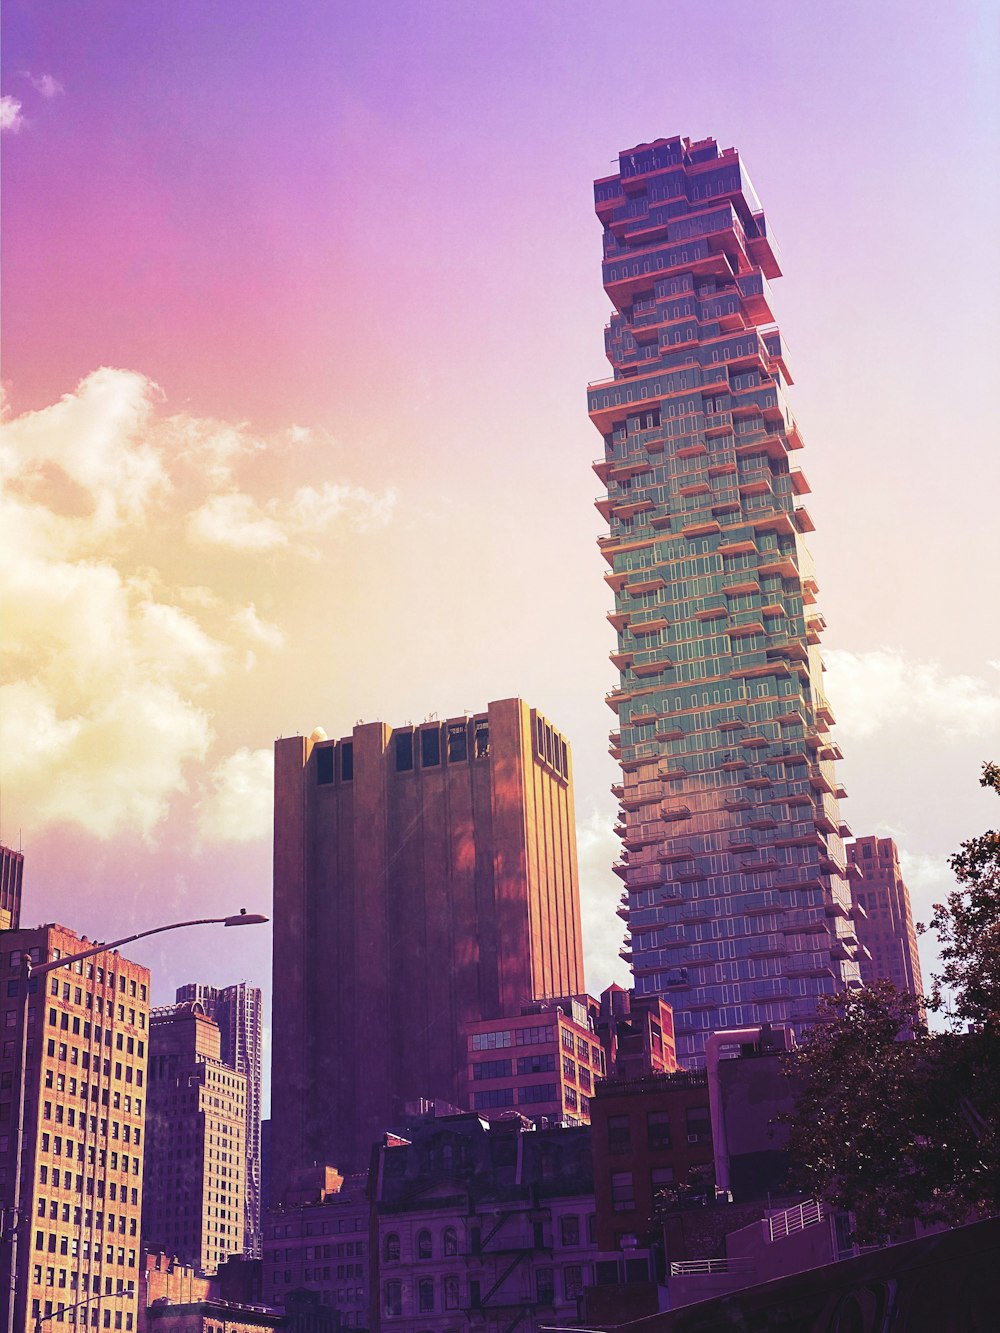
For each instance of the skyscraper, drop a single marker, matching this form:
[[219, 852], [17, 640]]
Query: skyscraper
[[424, 877], [886, 930], [84, 1119], [11, 874], [195, 1149], [737, 897], [238, 1011]]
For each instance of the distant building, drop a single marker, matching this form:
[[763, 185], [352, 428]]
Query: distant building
[[238, 1010], [637, 1033], [11, 875], [196, 1144], [84, 1130], [544, 1062], [648, 1134], [166, 1280], [424, 878], [481, 1227], [886, 931], [316, 1247]]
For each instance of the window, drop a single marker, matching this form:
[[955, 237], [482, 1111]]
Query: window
[[619, 1134], [403, 741], [430, 747], [573, 1281], [450, 1288], [659, 1178], [482, 740], [699, 1124], [424, 1245], [392, 1301], [346, 764], [390, 1248], [458, 743], [658, 1130], [449, 1241], [425, 1294], [545, 1287], [324, 765], [622, 1192], [570, 1228]]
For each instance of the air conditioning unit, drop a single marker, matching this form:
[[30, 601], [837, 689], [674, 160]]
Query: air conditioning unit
[[694, 1138]]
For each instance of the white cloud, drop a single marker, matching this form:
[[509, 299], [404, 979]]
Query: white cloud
[[236, 520], [598, 847], [882, 688], [238, 807], [120, 636], [47, 84], [10, 114]]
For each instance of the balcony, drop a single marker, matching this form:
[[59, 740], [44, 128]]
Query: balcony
[[642, 581]]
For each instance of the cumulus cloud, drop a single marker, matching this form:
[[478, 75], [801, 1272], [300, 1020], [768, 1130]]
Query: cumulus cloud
[[11, 117], [238, 521], [875, 690], [238, 804], [598, 848], [114, 658]]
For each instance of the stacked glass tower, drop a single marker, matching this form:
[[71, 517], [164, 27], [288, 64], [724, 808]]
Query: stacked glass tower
[[737, 897]]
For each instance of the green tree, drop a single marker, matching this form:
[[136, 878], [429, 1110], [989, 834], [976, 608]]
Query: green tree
[[893, 1123], [967, 926]]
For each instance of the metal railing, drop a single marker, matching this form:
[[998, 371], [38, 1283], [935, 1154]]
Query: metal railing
[[791, 1220]]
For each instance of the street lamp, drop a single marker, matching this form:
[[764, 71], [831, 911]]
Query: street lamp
[[241, 918]]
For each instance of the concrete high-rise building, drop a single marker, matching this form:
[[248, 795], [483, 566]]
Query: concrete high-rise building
[[424, 877], [84, 1121], [11, 874], [196, 1141], [238, 1010], [738, 902], [886, 931]]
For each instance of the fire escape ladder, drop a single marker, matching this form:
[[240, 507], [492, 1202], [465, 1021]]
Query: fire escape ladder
[[493, 1230], [519, 1318], [518, 1259]]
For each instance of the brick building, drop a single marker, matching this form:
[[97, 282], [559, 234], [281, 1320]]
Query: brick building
[[886, 929], [84, 1126]]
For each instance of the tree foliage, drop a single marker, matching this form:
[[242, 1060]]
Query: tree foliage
[[967, 925], [891, 1123]]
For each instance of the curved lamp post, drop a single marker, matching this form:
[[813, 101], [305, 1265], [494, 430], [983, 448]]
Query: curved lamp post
[[29, 971]]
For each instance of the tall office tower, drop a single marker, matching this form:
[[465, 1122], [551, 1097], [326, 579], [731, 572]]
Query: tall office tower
[[195, 1142], [11, 873], [886, 931], [238, 1011], [84, 1122], [737, 896], [424, 877]]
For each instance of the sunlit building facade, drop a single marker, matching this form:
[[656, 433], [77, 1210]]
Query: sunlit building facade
[[886, 929], [424, 877], [238, 1010], [737, 898], [82, 1157]]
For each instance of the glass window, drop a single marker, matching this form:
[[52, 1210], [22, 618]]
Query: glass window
[[390, 1248], [425, 1294], [424, 1245], [619, 1134], [622, 1192]]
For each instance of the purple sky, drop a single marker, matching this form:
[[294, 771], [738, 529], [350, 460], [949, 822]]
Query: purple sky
[[342, 266]]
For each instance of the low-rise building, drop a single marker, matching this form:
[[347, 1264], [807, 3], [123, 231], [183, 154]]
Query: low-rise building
[[545, 1061], [316, 1247], [481, 1226]]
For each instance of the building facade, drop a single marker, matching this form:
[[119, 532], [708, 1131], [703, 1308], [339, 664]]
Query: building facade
[[481, 1227], [195, 1146], [636, 1032], [238, 1010], [84, 1131], [737, 903], [546, 1062], [316, 1244], [424, 877], [886, 929], [11, 876], [648, 1135]]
